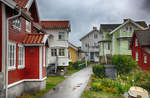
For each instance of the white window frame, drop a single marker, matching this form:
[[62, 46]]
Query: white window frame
[[53, 52], [44, 58], [60, 52], [145, 59], [21, 57], [17, 24], [136, 42], [28, 26], [136, 56], [62, 34], [13, 45]]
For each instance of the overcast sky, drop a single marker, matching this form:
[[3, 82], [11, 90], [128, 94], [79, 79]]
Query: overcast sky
[[84, 14]]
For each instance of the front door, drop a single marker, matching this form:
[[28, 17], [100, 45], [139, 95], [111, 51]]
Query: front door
[[92, 56]]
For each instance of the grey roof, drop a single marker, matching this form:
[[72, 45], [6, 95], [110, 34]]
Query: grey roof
[[108, 27], [143, 36]]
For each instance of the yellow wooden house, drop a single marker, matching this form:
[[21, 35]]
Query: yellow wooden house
[[74, 53]]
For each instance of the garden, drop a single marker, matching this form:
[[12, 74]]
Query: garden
[[128, 75]]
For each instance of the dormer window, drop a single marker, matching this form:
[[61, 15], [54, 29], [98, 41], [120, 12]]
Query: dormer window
[[28, 26], [17, 24]]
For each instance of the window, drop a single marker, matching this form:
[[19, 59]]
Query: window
[[145, 59], [136, 42], [17, 24], [44, 60], [53, 52], [61, 36], [108, 46], [61, 52], [87, 45], [11, 56], [136, 56], [95, 36], [21, 56], [129, 41], [130, 29], [127, 28], [28, 26]]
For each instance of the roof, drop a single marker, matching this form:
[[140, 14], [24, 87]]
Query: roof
[[55, 24], [142, 23], [143, 36], [88, 33], [138, 24], [21, 3], [35, 39], [108, 27], [73, 46]]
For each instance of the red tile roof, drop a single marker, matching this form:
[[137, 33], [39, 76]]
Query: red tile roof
[[34, 39], [21, 3], [55, 24]]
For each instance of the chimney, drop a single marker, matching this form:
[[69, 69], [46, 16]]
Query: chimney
[[124, 20], [94, 28]]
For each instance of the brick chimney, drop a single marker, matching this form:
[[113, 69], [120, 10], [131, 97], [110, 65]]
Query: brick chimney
[[94, 28]]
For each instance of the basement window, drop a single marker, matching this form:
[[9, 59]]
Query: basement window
[[21, 57]]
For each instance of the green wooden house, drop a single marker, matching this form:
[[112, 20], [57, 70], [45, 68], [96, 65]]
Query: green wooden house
[[117, 37]]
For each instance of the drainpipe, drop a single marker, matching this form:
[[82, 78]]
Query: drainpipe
[[6, 69]]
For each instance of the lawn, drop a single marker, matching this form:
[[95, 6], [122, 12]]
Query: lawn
[[70, 72], [94, 94], [51, 82]]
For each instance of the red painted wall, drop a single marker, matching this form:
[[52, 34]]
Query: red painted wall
[[0, 37], [141, 53]]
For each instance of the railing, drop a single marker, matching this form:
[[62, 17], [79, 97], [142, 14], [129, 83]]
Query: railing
[[125, 34]]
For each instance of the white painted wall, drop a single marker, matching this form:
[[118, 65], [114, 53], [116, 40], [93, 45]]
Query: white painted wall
[[89, 39], [56, 43]]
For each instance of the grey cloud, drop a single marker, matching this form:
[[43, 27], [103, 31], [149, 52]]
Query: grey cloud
[[84, 14]]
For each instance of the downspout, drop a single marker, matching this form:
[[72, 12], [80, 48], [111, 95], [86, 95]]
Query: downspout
[[7, 35]]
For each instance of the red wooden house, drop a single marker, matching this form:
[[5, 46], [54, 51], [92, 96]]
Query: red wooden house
[[23, 47], [140, 46]]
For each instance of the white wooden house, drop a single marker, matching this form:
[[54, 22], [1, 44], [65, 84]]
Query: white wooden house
[[58, 40], [90, 47]]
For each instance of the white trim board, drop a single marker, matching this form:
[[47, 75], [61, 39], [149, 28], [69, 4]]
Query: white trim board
[[26, 80]]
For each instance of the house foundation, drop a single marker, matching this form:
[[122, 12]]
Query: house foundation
[[26, 87]]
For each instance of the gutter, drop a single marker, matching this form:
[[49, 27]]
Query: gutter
[[7, 34]]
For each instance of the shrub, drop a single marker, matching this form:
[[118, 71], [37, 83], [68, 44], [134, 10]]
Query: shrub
[[99, 70], [76, 65], [123, 63]]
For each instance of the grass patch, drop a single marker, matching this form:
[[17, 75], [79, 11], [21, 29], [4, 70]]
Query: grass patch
[[70, 72], [94, 94], [50, 83]]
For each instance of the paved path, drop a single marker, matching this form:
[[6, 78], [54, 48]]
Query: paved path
[[72, 87]]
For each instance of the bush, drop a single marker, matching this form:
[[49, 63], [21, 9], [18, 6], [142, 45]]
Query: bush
[[99, 70], [124, 64], [111, 86], [76, 65]]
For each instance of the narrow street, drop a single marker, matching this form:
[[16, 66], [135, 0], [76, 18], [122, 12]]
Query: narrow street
[[72, 87]]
